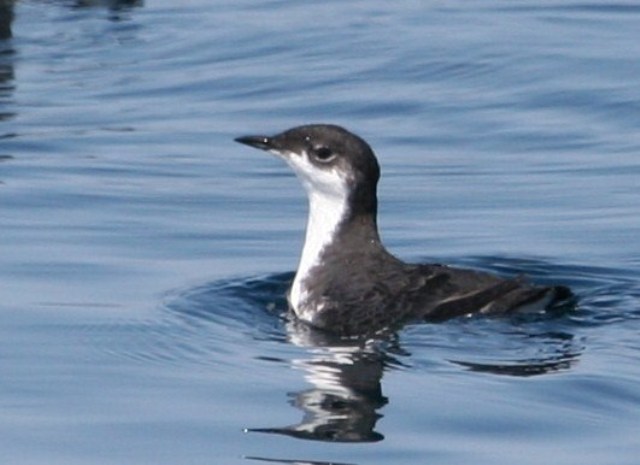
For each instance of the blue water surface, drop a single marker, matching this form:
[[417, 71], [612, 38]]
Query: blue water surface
[[144, 255]]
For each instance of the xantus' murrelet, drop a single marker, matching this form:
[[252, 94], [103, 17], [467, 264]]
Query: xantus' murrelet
[[347, 282]]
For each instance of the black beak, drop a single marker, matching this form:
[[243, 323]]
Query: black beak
[[259, 142]]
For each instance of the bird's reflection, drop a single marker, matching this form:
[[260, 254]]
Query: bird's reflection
[[562, 352], [522, 369], [344, 402]]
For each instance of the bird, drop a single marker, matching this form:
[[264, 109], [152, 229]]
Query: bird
[[347, 283]]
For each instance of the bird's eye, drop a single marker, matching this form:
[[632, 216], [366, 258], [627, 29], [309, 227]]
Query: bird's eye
[[323, 154]]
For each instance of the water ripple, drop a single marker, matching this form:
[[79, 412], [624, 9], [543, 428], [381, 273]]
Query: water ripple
[[212, 323]]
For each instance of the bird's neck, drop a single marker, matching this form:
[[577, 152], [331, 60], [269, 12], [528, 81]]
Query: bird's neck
[[329, 224], [326, 215]]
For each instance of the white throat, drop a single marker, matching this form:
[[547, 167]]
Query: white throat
[[328, 193]]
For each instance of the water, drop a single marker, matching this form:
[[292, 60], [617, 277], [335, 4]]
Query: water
[[144, 255]]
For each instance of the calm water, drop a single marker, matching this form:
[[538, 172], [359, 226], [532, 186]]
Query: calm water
[[144, 255]]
